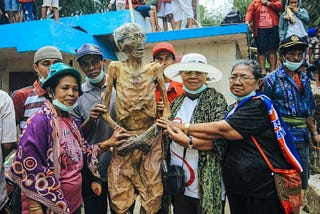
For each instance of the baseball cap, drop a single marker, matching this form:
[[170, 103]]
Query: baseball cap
[[163, 46], [59, 69], [88, 49], [47, 52], [293, 42], [193, 62]]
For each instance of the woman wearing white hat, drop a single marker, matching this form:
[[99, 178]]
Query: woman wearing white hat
[[202, 169]]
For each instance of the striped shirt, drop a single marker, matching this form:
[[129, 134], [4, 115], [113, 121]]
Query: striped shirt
[[26, 102]]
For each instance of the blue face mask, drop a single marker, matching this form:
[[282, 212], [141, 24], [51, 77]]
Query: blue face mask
[[198, 91], [292, 66], [241, 98], [96, 80], [63, 107]]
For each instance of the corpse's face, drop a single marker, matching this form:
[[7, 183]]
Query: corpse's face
[[133, 44]]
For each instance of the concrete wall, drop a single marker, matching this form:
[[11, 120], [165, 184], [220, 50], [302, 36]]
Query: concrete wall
[[23, 64]]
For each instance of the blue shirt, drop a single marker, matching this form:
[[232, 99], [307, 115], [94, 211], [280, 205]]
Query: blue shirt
[[289, 99]]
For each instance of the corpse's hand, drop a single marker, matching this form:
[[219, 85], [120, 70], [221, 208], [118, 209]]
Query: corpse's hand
[[177, 135]]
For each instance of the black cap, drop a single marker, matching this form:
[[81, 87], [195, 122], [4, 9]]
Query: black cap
[[293, 42]]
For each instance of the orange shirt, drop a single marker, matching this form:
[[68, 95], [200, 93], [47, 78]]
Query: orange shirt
[[173, 92]]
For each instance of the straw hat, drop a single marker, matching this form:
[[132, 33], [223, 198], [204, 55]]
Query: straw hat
[[193, 62]]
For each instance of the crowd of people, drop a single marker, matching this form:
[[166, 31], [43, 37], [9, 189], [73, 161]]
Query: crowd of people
[[174, 12], [104, 140], [27, 10], [271, 22]]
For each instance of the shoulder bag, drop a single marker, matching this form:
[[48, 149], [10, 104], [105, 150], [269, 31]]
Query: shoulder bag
[[173, 177], [288, 184]]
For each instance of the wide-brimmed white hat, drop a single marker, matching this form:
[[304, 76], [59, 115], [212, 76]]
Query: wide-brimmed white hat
[[193, 62]]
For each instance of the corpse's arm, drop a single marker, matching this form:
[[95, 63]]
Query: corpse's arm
[[112, 71], [161, 84]]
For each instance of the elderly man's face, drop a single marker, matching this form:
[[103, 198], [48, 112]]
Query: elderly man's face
[[133, 44]]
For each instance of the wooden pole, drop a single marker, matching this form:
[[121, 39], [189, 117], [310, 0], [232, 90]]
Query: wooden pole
[[131, 11]]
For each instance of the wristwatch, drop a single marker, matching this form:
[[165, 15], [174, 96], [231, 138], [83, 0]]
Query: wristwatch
[[190, 142]]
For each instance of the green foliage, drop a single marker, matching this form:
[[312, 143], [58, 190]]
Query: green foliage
[[206, 17], [241, 6], [313, 7], [81, 7]]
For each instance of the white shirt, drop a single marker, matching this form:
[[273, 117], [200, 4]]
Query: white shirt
[[190, 165]]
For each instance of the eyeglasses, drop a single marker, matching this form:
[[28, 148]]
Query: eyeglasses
[[134, 37], [86, 64], [242, 78]]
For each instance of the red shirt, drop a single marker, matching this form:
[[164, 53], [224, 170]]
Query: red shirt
[[135, 3], [173, 92], [253, 13]]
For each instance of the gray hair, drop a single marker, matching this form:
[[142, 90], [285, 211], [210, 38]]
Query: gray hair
[[252, 64], [121, 32]]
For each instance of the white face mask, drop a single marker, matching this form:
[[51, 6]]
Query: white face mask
[[237, 98], [292, 66], [198, 91], [64, 107], [42, 79], [96, 80]]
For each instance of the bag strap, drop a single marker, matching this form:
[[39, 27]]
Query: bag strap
[[184, 155], [263, 154]]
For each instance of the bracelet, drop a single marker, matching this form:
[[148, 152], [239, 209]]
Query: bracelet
[[314, 133], [100, 147], [35, 208]]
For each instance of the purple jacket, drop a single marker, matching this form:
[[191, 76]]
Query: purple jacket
[[37, 158]]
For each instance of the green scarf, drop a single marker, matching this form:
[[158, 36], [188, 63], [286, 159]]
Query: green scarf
[[212, 106]]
